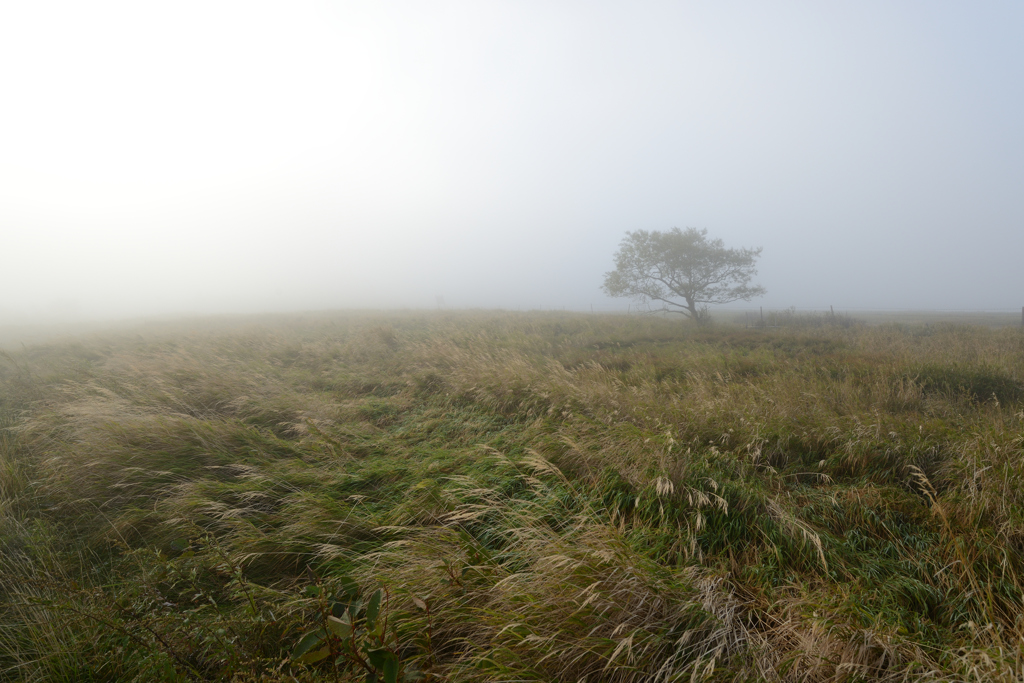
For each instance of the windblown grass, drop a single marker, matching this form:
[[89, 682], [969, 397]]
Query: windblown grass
[[539, 497]]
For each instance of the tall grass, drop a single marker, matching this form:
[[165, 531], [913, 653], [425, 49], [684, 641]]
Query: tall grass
[[538, 497]]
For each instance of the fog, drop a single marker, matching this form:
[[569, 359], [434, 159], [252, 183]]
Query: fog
[[241, 157]]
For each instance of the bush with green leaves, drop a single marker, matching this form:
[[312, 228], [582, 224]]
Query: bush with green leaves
[[357, 634]]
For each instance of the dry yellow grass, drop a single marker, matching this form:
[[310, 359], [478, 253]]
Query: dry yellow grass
[[544, 497]]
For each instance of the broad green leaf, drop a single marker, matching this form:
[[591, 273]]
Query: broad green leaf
[[379, 657], [308, 642], [373, 609], [391, 669], [340, 627], [314, 656], [348, 589]]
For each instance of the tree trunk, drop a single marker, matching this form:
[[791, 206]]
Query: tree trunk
[[691, 306]]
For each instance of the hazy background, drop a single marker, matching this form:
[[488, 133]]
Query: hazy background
[[203, 157]]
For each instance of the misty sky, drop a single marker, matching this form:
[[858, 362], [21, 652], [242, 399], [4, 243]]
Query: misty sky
[[183, 157]]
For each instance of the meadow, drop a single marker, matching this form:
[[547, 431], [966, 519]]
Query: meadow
[[474, 496]]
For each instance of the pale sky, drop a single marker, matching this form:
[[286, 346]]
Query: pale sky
[[210, 157]]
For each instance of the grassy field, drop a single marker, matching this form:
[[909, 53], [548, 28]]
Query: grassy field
[[514, 497]]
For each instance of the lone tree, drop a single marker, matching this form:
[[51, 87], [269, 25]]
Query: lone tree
[[683, 269]]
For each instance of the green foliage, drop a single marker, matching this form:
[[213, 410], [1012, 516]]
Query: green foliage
[[355, 635], [682, 270]]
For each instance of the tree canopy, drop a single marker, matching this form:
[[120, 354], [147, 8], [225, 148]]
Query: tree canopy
[[683, 270]]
